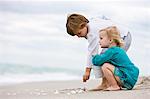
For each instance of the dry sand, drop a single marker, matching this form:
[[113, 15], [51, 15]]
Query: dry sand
[[66, 90]]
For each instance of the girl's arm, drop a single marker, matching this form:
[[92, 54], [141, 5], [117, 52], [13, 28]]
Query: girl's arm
[[98, 60]]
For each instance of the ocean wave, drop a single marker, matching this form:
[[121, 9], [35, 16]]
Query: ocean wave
[[16, 73], [27, 69], [21, 78]]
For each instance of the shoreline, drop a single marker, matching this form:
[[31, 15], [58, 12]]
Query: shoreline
[[46, 90]]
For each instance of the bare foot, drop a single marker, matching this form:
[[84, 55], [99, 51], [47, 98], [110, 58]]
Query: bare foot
[[112, 88], [98, 88]]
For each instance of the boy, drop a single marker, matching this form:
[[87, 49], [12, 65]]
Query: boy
[[80, 26]]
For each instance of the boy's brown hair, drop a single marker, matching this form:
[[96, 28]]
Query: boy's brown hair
[[75, 22]]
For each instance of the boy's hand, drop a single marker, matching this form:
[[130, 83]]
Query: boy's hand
[[86, 76]]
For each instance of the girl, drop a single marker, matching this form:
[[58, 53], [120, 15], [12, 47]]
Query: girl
[[117, 68]]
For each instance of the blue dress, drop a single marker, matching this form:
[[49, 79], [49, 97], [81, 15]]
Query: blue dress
[[124, 68]]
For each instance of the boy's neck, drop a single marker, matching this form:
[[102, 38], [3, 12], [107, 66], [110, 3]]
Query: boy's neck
[[87, 31]]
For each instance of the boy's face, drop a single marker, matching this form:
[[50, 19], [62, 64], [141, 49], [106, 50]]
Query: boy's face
[[82, 32], [104, 40]]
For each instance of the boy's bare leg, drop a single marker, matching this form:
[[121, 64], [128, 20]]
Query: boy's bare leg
[[108, 70], [102, 86]]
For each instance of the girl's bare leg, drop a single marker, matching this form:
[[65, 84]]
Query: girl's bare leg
[[108, 70]]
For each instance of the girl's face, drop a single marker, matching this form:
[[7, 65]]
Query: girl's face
[[104, 40], [82, 32]]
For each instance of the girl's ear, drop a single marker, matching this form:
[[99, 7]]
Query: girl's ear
[[111, 41]]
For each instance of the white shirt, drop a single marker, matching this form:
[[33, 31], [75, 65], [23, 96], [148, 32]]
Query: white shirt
[[94, 26]]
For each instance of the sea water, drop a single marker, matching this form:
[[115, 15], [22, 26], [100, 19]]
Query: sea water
[[14, 73]]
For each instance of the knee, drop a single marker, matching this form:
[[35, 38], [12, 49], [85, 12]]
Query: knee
[[105, 66]]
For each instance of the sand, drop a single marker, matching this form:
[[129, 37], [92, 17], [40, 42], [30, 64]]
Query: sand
[[72, 89]]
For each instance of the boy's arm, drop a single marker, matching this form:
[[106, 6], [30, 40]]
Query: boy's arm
[[86, 76], [127, 41], [93, 48]]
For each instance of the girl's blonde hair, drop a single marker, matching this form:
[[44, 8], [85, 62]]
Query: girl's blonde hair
[[114, 34]]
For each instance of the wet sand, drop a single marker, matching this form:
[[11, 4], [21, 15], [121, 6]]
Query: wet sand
[[72, 90]]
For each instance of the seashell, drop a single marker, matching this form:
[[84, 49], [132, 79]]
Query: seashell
[[56, 92]]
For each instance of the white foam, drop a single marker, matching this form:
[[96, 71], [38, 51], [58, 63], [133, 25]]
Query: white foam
[[20, 78]]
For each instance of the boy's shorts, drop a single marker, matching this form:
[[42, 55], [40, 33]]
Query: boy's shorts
[[127, 42], [97, 71]]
